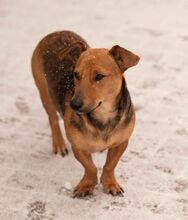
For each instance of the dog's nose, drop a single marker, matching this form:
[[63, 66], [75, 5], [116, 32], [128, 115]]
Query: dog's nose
[[76, 103]]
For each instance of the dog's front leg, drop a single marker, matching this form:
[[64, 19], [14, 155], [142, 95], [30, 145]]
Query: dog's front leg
[[89, 180], [110, 185]]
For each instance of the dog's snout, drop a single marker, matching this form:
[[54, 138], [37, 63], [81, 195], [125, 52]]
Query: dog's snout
[[76, 103]]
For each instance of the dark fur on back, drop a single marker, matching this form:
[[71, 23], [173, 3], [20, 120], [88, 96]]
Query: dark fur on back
[[62, 50]]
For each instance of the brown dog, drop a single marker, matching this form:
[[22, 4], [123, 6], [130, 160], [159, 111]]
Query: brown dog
[[86, 86]]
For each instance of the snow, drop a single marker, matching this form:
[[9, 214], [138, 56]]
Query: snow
[[68, 186], [34, 183]]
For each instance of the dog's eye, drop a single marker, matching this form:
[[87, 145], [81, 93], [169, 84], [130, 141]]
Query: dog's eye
[[77, 76], [99, 76]]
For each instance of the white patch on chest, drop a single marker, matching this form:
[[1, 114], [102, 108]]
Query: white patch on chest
[[105, 112]]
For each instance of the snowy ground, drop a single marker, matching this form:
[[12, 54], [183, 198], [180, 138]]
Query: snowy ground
[[37, 185]]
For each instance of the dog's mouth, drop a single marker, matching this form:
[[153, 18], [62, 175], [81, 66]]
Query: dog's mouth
[[95, 107], [87, 110]]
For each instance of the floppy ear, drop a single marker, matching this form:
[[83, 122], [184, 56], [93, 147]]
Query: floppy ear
[[124, 58]]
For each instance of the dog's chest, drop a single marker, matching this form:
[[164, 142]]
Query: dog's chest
[[91, 139]]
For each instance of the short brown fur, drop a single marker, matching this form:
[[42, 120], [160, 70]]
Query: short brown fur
[[105, 118]]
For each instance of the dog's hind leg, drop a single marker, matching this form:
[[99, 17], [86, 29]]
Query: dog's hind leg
[[40, 80], [57, 138]]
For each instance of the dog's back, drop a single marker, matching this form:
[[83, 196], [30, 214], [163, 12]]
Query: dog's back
[[57, 54]]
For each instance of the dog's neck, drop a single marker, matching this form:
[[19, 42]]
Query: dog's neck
[[108, 115]]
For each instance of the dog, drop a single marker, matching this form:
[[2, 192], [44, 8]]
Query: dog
[[87, 88]]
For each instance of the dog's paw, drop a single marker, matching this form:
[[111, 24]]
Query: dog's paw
[[59, 147], [111, 186], [114, 190], [84, 188], [83, 192], [62, 151]]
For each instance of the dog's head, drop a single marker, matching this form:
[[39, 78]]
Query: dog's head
[[98, 76]]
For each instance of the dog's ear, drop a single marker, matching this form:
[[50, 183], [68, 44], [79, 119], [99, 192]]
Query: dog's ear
[[124, 58]]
